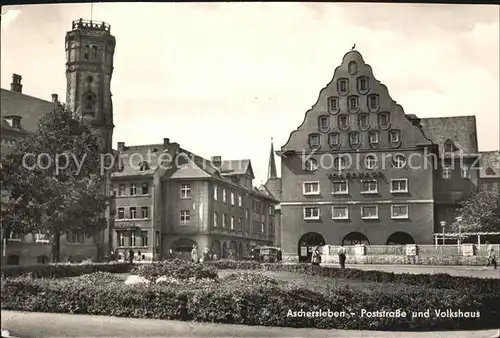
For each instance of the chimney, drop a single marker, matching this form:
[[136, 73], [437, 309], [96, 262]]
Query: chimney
[[16, 85], [216, 161], [55, 98], [175, 148], [166, 142], [121, 146]]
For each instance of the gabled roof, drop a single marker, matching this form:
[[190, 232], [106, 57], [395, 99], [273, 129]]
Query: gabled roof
[[236, 167], [489, 159], [461, 130], [29, 108]]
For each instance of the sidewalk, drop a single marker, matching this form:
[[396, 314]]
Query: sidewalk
[[33, 324]]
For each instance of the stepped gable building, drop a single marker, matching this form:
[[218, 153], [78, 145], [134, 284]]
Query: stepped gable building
[[168, 198], [358, 170]]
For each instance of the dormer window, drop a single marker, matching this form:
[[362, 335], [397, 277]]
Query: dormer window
[[311, 164], [363, 120], [384, 120], [324, 123], [363, 87], [333, 104], [343, 121], [490, 172], [353, 102], [334, 140], [373, 102], [340, 163], [343, 86], [143, 166], [314, 141], [449, 146], [14, 121]]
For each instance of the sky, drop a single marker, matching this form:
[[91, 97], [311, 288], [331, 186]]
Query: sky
[[222, 79]]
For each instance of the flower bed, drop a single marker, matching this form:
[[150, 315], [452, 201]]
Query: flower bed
[[247, 298], [176, 269]]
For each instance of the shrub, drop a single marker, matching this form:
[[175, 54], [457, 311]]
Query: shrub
[[177, 269], [253, 300], [64, 270]]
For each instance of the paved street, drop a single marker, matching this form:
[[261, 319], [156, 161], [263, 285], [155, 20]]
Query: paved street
[[28, 325], [472, 271]]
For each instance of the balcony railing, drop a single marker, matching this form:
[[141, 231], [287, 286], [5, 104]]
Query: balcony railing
[[93, 25]]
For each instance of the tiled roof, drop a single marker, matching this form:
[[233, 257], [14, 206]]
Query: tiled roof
[[236, 167], [131, 157], [29, 108], [489, 159], [461, 130]]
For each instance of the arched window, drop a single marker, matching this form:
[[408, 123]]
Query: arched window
[[400, 238], [88, 105]]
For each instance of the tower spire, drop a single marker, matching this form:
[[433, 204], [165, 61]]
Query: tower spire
[[271, 171]]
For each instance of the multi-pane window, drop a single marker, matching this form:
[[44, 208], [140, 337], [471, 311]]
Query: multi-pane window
[[185, 216], [362, 84], [373, 102], [133, 189], [240, 201], [399, 185], [271, 210], [371, 161], [121, 190], [314, 140], [369, 212], [121, 213], [354, 138], [340, 212], [232, 222], [145, 188], [311, 188], [145, 212], [224, 221], [370, 186], [353, 102], [333, 140], [363, 121], [399, 211], [224, 195], [339, 163], [232, 198], [133, 239], [311, 213], [262, 227], [216, 192], [333, 104], [399, 161], [133, 212], [395, 136], [240, 225], [340, 187], [343, 86], [384, 119], [311, 164], [343, 121], [185, 190], [75, 237], [373, 137], [324, 122], [144, 238]]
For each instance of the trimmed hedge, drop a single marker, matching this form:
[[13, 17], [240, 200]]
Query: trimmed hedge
[[437, 281], [250, 299], [64, 270]]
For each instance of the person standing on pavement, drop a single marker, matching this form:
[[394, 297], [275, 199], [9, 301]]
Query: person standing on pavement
[[316, 257], [491, 255], [342, 257]]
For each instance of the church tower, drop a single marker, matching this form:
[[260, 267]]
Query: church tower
[[90, 49]]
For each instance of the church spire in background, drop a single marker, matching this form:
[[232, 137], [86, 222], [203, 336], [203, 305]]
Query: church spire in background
[[271, 170]]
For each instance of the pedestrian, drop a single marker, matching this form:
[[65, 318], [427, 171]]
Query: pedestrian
[[316, 257], [131, 256], [280, 255], [491, 256], [341, 252], [194, 254]]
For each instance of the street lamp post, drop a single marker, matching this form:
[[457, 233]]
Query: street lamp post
[[459, 221], [443, 224]]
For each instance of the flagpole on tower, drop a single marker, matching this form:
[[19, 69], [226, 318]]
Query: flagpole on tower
[[91, 10]]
